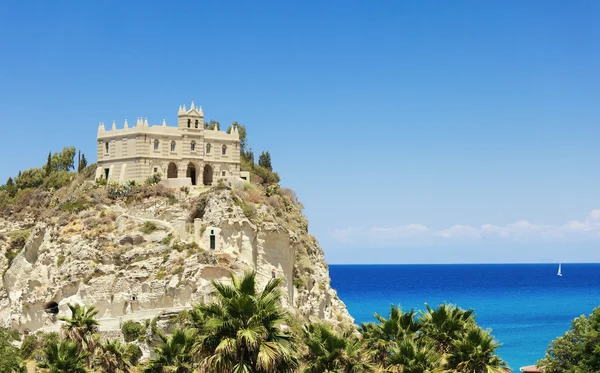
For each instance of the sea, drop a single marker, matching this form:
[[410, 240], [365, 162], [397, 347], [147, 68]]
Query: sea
[[525, 305]]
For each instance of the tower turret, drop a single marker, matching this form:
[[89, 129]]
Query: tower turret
[[192, 119]]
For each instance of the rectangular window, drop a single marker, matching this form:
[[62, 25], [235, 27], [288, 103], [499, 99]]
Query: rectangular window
[[106, 146], [223, 173], [155, 169]]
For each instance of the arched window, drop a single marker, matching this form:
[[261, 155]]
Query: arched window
[[224, 150], [106, 146], [193, 146], [196, 123], [189, 123], [207, 148], [155, 145], [172, 146]]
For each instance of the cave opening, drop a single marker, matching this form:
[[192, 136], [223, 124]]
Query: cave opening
[[51, 307]]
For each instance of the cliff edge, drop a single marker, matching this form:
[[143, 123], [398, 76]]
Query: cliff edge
[[134, 251]]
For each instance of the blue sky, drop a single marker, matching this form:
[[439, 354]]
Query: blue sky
[[414, 132]]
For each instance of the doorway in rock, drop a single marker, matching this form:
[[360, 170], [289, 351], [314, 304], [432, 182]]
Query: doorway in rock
[[172, 171], [207, 175], [191, 172]]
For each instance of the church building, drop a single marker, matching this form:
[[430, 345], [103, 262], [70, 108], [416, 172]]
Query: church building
[[185, 155]]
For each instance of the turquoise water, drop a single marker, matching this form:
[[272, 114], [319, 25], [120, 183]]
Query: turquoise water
[[525, 305]]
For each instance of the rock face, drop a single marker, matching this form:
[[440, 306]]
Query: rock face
[[130, 260]]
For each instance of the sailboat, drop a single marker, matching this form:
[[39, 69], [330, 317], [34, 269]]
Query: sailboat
[[559, 270]]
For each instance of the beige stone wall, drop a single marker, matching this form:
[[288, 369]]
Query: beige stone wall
[[135, 153]]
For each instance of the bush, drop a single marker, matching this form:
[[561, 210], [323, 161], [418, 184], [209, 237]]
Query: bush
[[75, 206], [57, 180], [149, 227], [60, 260], [9, 355], [18, 239], [31, 178], [134, 352], [267, 176], [28, 347], [133, 331], [152, 180], [89, 172]]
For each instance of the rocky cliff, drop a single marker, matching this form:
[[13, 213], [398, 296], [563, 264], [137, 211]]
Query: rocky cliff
[[133, 250]]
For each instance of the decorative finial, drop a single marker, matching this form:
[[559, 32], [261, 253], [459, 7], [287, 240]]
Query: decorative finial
[[126, 125], [192, 107], [164, 122]]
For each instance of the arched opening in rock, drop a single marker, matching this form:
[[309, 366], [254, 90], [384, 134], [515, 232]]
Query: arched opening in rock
[[191, 172], [51, 307], [207, 175], [172, 171]]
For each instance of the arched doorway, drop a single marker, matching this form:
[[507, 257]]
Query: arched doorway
[[207, 176], [172, 171], [191, 172]]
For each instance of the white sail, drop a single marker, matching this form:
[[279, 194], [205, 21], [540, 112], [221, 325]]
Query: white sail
[[559, 270]]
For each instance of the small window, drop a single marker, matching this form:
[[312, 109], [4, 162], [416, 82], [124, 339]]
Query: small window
[[196, 125], [193, 146], [155, 169], [224, 150], [223, 173], [172, 146], [207, 148], [155, 145], [106, 147], [189, 123]]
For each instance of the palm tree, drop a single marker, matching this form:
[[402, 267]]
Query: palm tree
[[445, 324], [412, 355], [63, 358], [379, 337], [475, 352], [81, 326], [242, 329], [330, 352], [113, 357], [174, 355]]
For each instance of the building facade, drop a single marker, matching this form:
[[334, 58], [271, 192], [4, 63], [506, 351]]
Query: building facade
[[184, 155]]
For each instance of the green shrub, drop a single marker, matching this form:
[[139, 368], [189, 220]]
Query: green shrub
[[133, 331], [149, 227], [18, 239], [153, 179], [57, 180], [134, 352], [267, 176], [60, 260], [75, 206], [298, 283], [89, 172], [28, 347], [101, 181], [167, 240], [31, 178]]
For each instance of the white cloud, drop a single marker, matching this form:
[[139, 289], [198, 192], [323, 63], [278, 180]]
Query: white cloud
[[519, 231]]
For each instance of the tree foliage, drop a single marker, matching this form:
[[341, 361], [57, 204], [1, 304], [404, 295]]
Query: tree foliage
[[578, 350], [210, 125], [63, 161], [264, 160], [9, 355]]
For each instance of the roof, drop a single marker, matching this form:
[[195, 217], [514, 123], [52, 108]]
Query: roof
[[530, 369]]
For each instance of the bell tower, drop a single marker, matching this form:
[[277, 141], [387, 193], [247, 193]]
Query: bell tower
[[192, 119]]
